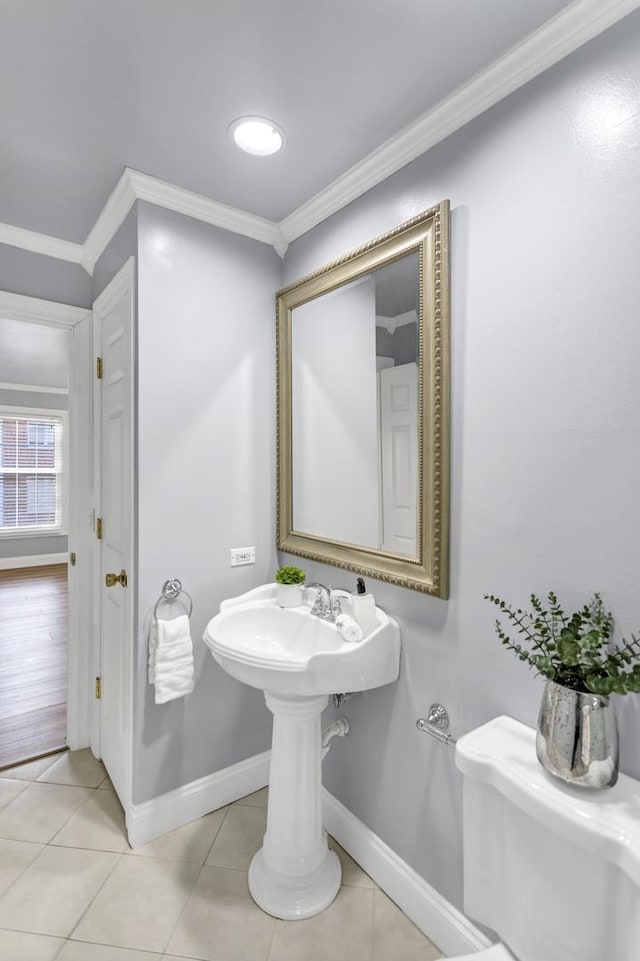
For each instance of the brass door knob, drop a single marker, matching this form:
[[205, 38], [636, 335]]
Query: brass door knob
[[112, 579]]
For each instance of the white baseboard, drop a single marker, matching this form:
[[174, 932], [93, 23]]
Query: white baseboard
[[36, 560], [152, 819], [436, 917]]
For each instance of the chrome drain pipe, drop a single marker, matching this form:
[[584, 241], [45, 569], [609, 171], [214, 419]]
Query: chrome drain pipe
[[337, 728]]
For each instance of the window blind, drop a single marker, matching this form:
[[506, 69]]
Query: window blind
[[30, 473]]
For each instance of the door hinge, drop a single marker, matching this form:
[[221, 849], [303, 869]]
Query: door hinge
[[98, 688], [99, 368], [72, 558], [99, 528]]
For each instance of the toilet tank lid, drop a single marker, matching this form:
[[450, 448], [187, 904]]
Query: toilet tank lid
[[606, 823]]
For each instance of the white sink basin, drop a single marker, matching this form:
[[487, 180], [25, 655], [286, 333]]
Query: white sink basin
[[297, 659], [291, 651]]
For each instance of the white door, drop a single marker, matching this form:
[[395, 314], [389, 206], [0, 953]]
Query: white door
[[399, 447], [113, 312]]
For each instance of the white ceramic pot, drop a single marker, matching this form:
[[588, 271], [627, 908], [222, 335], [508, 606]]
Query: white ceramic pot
[[289, 595]]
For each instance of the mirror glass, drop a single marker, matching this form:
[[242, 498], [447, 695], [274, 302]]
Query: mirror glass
[[355, 355], [363, 409]]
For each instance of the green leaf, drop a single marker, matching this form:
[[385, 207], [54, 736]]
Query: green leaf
[[599, 685], [568, 649]]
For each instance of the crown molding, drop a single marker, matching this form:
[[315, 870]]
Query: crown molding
[[194, 205], [574, 26], [121, 200], [134, 185], [36, 311], [280, 245], [40, 243], [391, 324]]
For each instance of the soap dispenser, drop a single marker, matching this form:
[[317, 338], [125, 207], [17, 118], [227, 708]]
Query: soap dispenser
[[364, 608]]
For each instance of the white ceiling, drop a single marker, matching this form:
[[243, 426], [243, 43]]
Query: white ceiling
[[88, 87]]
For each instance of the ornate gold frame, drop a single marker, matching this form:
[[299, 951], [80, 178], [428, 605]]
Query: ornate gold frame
[[428, 234]]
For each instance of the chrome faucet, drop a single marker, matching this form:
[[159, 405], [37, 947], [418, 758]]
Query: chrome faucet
[[325, 604]]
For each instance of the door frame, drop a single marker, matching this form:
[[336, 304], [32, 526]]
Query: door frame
[[77, 320], [124, 281]]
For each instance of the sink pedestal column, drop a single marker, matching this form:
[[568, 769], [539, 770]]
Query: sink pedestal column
[[294, 874]]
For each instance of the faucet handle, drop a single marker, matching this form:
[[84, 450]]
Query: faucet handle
[[318, 603], [336, 605]]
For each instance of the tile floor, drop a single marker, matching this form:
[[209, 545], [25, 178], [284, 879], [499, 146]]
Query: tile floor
[[72, 889]]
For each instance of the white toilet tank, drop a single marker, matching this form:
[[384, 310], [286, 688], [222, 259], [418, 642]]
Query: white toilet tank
[[554, 870]]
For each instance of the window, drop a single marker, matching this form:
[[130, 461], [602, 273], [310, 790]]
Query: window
[[31, 479]]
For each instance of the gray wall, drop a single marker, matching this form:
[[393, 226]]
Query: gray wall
[[405, 344], [401, 346], [32, 546], [206, 450], [27, 398], [545, 410], [34, 275], [34, 354], [123, 244]]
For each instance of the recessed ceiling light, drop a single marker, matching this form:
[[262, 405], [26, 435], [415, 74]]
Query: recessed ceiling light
[[256, 135]]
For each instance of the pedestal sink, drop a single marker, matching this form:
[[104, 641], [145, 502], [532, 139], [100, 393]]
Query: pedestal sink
[[297, 659]]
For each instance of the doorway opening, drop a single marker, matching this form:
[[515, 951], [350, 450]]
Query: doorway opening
[[46, 536], [34, 485], [33, 662]]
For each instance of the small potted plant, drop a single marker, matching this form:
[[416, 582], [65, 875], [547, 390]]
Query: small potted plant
[[289, 580], [577, 739]]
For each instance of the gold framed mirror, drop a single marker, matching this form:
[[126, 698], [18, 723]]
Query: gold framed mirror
[[363, 408]]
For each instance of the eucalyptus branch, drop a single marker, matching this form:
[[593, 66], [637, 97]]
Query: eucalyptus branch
[[544, 614], [572, 649]]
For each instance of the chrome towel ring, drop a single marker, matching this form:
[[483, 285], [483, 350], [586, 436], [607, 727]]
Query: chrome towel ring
[[172, 590]]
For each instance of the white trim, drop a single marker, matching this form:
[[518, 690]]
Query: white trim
[[152, 819], [34, 560], [80, 687], [574, 26], [122, 284], [32, 310], [34, 388], [37, 413], [280, 245], [391, 324], [436, 917], [26, 533], [194, 205], [134, 185], [95, 547], [40, 243], [120, 202]]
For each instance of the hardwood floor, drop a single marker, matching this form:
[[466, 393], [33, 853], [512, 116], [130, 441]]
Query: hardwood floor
[[33, 662]]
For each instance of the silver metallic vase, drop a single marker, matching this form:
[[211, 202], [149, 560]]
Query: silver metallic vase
[[577, 739]]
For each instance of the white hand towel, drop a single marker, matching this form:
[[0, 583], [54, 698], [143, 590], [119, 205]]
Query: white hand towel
[[174, 684], [171, 658], [153, 644], [349, 628]]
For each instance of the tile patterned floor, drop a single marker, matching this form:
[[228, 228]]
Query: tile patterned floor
[[71, 889]]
